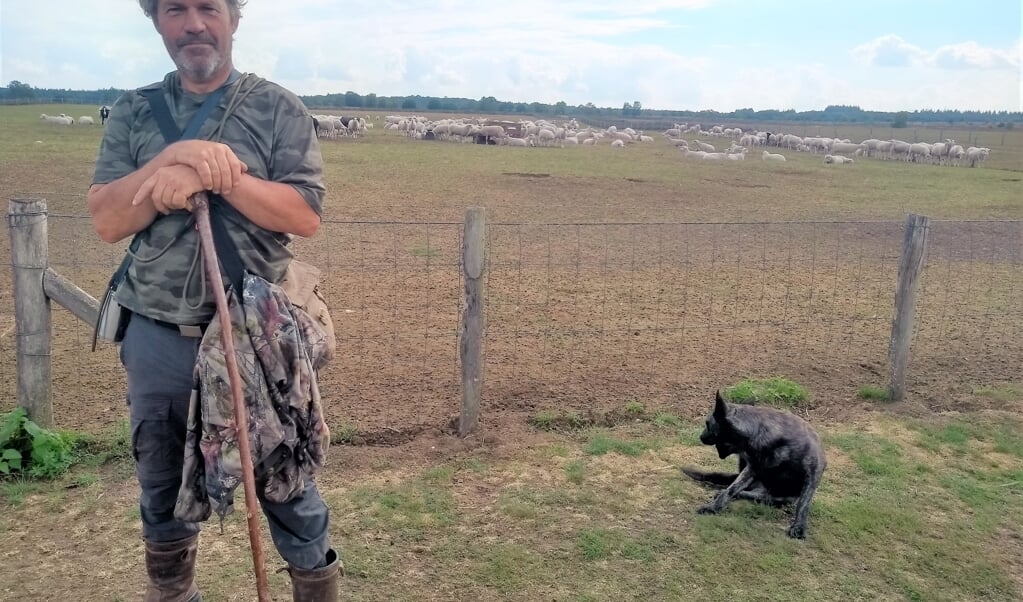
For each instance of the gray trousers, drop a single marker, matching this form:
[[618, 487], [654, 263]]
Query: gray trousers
[[159, 363]]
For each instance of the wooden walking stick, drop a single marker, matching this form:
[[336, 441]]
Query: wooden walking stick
[[201, 210]]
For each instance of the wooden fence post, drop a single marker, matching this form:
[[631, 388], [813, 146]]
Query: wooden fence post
[[914, 251], [471, 344], [26, 225]]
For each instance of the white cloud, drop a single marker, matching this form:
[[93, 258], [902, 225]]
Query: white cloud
[[971, 55], [892, 51]]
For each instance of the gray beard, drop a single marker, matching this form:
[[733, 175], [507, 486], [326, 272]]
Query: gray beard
[[200, 69]]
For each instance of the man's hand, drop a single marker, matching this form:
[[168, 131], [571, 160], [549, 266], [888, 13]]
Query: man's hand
[[218, 168], [169, 189]]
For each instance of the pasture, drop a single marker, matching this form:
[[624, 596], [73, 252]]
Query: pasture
[[623, 287]]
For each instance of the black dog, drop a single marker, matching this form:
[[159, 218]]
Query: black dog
[[781, 459]]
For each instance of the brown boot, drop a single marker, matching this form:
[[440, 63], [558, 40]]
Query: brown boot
[[171, 568], [317, 585]]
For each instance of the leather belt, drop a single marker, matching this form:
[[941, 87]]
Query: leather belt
[[194, 331]]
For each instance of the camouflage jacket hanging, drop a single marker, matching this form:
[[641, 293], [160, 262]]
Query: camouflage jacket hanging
[[279, 347]]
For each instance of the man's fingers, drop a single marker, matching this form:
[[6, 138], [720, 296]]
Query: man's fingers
[[145, 191]]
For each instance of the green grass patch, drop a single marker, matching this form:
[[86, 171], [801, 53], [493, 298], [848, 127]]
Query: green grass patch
[[1001, 391], [873, 393], [575, 472], [602, 443], [776, 391], [559, 421]]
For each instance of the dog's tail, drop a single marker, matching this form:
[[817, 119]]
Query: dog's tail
[[714, 480]]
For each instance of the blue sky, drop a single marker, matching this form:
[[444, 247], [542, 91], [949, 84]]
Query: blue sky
[[668, 54]]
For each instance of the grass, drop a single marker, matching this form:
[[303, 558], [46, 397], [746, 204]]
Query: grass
[[775, 391], [1001, 391], [873, 392], [908, 509]]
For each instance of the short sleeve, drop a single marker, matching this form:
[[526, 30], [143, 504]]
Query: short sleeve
[[296, 151], [115, 156]]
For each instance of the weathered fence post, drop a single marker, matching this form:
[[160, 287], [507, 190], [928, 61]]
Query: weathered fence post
[[914, 251], [26, 225], [471, 344]]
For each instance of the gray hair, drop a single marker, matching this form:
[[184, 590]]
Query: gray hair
[[234, 6]]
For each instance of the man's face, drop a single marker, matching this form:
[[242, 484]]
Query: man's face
[[197, 34]]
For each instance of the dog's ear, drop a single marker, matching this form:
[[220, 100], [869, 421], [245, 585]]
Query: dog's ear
[[720, 407]]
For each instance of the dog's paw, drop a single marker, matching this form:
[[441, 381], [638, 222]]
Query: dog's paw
[[707, 509], [797, 532]]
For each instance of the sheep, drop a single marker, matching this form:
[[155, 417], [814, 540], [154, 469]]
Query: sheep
[[707, 148], [512, 141], [85, 120], [843, 148], [976, 155], [956, 154], [836, 160], [57, 119], [921, 150], [619, 143], [772, 157]]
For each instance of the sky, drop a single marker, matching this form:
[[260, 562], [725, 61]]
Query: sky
[[884, 55]]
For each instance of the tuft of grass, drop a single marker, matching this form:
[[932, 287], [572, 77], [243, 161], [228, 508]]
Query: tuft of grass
[[15, 490], [600, 444], [665, 420], [345, 435], [1000, 391], [775, 391], [597, 544], [874, 393], [635, 409], [575, 472], [569, 420]]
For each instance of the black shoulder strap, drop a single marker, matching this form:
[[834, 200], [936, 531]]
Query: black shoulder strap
[[161, 112], [227, 252]]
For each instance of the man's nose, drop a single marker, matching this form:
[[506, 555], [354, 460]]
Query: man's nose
[[194, 22]]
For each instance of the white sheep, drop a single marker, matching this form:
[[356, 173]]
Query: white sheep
[[617, 143], [772, 157], [836, 160], [57, 119], [85, 120]]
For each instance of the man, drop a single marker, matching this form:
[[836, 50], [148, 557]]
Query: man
[[269, 171]]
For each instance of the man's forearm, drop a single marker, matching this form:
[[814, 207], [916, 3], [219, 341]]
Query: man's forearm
[[274, 206], [113, 215]]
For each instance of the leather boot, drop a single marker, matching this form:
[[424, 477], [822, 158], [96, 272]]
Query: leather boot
[[317, 585], [171, 568]]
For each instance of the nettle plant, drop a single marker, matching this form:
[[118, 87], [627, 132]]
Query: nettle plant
[[27, 448]]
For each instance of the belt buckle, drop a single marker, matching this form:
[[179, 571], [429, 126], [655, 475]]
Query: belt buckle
[[187, 330]]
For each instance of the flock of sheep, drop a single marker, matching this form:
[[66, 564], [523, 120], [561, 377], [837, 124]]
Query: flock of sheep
[[543, 133], [836, 151], [526, 133], [63, 119]]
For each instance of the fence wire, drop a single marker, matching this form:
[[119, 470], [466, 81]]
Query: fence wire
[[589, 316]]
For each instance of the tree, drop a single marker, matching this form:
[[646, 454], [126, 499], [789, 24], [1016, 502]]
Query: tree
[[18, 90], [409, 103], [352, 99], [900, 120], [560, 107], [636, 107]]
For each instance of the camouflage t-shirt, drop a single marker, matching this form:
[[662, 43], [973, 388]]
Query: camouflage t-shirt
[[271, 133]]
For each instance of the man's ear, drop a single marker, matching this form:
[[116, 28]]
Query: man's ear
[[720, 406]]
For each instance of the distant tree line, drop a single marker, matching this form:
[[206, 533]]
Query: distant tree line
[[21, 93]]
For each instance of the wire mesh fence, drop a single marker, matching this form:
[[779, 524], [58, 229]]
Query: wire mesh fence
[[590, 315]]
